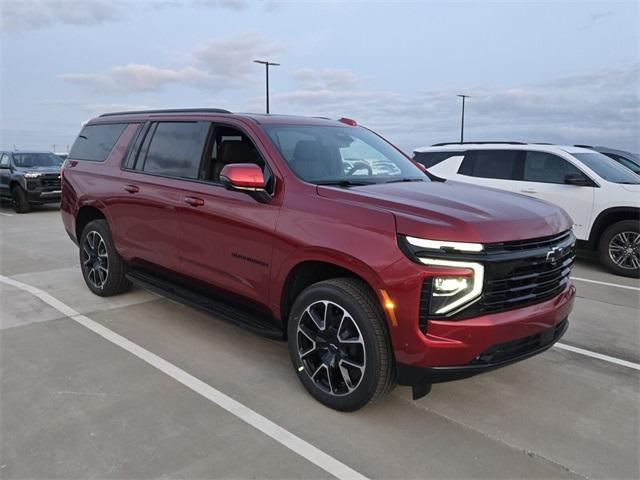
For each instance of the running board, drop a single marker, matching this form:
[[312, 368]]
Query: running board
[[246, 319]]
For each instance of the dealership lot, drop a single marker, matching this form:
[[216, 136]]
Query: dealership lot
[[76, 405]]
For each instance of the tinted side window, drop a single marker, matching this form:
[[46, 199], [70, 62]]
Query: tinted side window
[[96, 141], [429, 159], [547, 168], [176, 149], [499, 164]]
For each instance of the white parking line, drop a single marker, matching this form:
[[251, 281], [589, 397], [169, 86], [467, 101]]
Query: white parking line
[[599, 356], [6, 214], [284, 437], [598, 282]]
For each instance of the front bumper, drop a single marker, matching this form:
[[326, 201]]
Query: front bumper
[[496, 356], [44, 189], [44, 196]]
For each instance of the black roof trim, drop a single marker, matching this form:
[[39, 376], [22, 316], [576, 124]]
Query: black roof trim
[[584, 146], [443, 144], [177, 110]]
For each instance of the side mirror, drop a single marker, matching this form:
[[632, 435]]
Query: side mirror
[[245, 177], [577, 180]]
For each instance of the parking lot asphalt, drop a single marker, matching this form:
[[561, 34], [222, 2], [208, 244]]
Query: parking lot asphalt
[[75, 405]]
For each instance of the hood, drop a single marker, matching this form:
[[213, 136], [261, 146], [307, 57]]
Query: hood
[[458, 211], [38, 169]]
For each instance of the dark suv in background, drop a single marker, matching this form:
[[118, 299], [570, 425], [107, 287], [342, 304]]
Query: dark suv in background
[[29, 178], [321, 233]]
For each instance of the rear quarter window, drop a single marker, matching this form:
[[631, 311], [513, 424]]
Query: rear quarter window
[[498, 164], [431, 159], [95, 142]]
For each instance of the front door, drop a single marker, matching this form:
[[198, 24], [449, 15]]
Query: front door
[[226, 237], [544, 178]]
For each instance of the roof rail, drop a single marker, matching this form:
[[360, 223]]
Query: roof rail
[[176, 110], [475, 143], [583, 146]]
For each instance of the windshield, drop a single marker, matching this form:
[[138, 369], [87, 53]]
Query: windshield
[[29, 160], [627, 162], [607, 168], [341, 155]]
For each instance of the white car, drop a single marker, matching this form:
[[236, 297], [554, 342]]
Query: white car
[[601, 196]]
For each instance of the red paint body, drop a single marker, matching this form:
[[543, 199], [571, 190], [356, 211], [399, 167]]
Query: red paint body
[[153, 220]]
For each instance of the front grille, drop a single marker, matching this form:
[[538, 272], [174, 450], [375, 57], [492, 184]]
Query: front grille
[[51, 181], [528, 279], [503, 352], [516, 274], [529, 244]]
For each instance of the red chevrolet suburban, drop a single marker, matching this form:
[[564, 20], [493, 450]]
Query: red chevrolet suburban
[[323, 234]]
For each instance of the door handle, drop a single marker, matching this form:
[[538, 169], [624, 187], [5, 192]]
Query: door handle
[[132, 188], [529, 190], [194, 201]]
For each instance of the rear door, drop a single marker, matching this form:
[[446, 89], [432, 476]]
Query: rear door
[[226, 237], [166, 154]]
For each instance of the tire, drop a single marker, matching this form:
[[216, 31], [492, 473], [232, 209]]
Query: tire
[[350, 363], [619, 248], [102, 267], [20, 200]]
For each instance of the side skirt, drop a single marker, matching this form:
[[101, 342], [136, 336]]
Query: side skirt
[[247, 319]]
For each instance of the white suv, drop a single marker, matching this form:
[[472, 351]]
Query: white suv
[[602, 197]]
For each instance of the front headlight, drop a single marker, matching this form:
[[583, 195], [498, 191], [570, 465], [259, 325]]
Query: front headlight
[[444, 245], [31, 175], [456, 278], [452, 291]]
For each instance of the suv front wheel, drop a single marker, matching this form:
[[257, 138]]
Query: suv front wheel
[[619, 248], [102, 268], [339, 345]]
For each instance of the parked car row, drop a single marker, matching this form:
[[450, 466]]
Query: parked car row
[[323, 234], [599, 194]]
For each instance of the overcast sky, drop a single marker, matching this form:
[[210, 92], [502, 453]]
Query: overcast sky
[[553, 71]]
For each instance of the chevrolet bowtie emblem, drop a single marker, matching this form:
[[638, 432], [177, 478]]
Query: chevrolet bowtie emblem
[[554, 254]]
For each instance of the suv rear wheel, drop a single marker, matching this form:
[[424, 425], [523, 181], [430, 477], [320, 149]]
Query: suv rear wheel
[[20, 200], [619, 248], [102, 268], [339, 344]]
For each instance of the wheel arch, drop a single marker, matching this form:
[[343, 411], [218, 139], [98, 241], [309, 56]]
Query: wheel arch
[[608, 217], [306, 272], [86, 214]]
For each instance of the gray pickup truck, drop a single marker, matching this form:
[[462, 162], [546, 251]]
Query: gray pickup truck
[[29, 178]]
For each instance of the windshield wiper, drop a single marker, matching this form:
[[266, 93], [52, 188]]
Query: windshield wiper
[[344, 183], [398, 180]]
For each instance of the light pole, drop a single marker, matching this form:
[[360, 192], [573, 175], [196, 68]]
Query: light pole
[[266, 65], [462, 124]]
